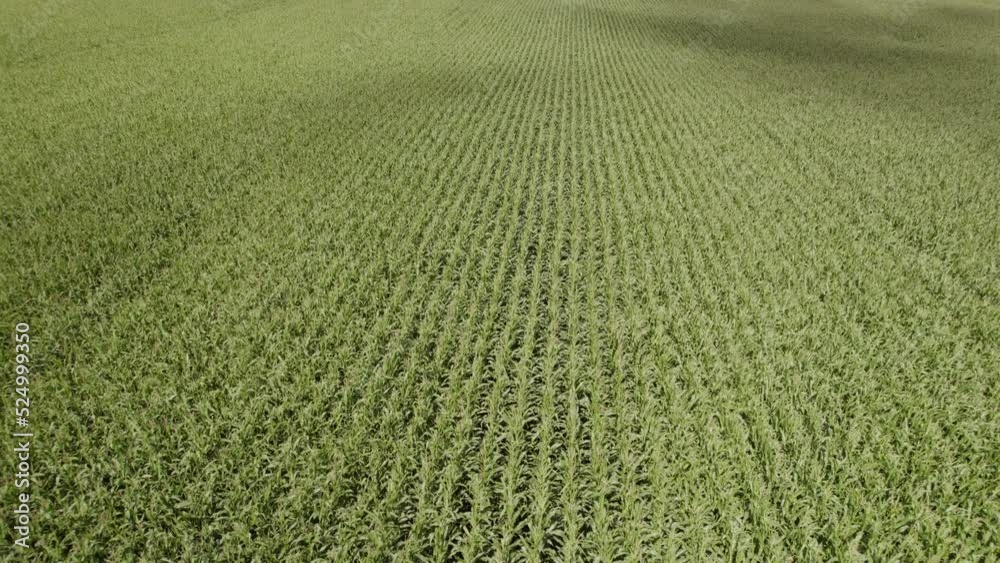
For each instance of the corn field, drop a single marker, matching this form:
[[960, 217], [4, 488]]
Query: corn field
[[554, 280]]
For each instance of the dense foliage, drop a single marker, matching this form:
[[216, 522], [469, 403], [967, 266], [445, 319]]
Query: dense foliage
[[517, 280]]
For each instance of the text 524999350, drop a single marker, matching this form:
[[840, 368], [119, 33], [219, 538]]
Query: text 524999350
[[22, 437]]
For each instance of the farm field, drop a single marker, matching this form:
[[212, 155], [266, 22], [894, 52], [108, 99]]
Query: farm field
[[513, 280]]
